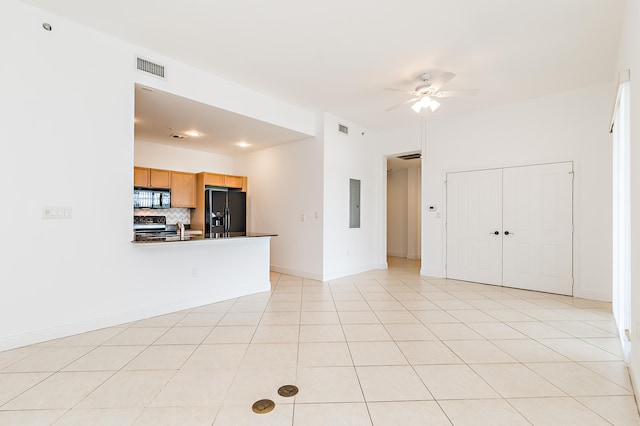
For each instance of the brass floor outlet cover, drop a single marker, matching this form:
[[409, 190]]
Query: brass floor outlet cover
[[287, 390], [263, 406]]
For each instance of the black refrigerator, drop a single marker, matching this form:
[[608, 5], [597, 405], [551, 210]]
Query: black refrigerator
[[225, 213]]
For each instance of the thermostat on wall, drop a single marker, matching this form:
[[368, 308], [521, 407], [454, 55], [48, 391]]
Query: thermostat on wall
[[432, 208]]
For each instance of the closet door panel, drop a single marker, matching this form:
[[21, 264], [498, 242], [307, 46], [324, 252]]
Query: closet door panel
[[538, 227], [474, 215]]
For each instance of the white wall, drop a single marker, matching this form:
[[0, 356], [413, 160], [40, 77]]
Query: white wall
[[285, 183], [629, 58], [67, 113], [565, 126], [148, 154], [348, 251]]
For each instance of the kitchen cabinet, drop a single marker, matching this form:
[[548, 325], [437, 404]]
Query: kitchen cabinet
[[183, 189], [141, 176], [233, 181], [214, 179], [160, 178], [227, 181], [151, 178]]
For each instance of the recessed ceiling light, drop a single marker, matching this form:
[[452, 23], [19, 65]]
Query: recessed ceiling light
[[243, 144], [193, 133]]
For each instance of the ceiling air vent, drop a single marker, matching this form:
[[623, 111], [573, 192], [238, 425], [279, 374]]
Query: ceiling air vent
[[150, 67], [410, 156], [344, 129]]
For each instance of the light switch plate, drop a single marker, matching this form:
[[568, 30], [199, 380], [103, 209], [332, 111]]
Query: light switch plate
[[56, 212]]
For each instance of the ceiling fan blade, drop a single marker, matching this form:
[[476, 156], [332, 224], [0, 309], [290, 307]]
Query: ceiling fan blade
[[402, 103], [399, 90], [454, 93], [441, 80]]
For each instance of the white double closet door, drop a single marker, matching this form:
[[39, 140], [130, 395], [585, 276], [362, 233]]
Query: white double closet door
[[512, 227]]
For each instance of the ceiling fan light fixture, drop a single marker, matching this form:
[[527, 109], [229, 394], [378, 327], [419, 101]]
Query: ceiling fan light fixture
[[425, 102]]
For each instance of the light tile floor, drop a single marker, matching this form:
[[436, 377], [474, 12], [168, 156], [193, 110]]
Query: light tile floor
[[383, 348]]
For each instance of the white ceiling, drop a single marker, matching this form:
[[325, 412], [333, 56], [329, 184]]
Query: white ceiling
[[338, 56], [160, 115]]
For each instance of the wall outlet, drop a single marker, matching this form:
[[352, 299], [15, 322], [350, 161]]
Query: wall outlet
[[56, 212], [302, 217], [195, 272]]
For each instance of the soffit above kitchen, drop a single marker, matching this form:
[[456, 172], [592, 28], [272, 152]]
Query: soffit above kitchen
[[337, 57], [169, 119]]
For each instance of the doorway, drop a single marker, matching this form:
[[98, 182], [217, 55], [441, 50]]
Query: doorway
[[404, 218]]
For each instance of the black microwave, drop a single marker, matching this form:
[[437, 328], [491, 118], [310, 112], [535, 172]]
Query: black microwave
[[144, 198]]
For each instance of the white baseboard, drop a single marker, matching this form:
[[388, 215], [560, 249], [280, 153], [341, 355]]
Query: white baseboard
[[334, 275], [296, 272], [428, 272], [414, 256], [634, 380], [592, 295], [44, 335], [397, 254]]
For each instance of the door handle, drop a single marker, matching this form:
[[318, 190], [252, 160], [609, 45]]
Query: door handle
[[508, 233], [496, 233]]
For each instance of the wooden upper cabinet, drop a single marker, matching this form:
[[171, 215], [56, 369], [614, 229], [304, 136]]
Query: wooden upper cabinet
[[183, 189], [214, 179], [160, 178], [233, 181], [141, 176], [151, 178]]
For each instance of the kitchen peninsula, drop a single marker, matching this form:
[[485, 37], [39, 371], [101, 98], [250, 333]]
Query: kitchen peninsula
[[210, 269], [213, 266]]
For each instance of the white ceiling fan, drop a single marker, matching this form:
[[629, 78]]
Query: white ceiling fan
[[425, 94]]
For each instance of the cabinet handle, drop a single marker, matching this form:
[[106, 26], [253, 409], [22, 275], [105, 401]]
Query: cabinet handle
[[496, 233], [508, 233]]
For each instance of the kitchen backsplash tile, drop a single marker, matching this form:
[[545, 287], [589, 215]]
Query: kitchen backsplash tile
[[173, 215]]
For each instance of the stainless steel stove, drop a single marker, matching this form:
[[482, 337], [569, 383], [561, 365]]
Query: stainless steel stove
[[150, 228], [155, 228]]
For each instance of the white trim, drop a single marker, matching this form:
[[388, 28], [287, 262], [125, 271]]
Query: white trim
[[435, 273], [296, 272], [623, 77], [218, 294], [347, 272]]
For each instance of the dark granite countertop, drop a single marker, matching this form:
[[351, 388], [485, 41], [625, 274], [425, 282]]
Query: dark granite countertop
[[175, 238]]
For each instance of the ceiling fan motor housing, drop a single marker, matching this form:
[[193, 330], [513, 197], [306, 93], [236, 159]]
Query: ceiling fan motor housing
[[423, 89]]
